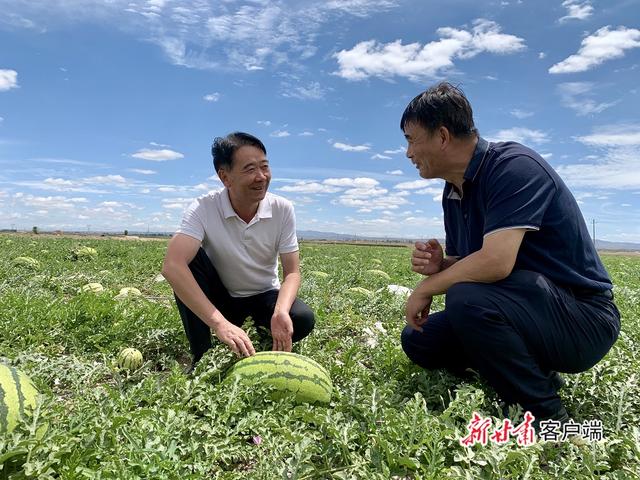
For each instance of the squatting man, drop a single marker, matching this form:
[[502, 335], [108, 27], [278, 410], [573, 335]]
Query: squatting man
[[526, 295], [223, 260]]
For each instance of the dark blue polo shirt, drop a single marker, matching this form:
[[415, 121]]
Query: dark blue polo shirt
[[507, 185]]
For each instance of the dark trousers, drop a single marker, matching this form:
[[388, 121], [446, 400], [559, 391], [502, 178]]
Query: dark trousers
[[260, 307], [515, 332]]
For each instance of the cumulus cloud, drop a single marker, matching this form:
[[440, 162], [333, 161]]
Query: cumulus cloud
[[157, 155], [613, 136], [212, 97], [309, 187], [310, 91], [615, 166], [396, 151], [521, 114], [8, 80], [520, 135], [142, 171], [576, 10], [279, 134], [416, 61], [605, 44], [395, 172], [358, 182], [576, 96], [350, 148], [306, 134], [416, 184], [377, 156]]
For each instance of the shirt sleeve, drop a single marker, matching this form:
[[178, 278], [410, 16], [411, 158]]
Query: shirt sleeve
[[288, 239], [518, 192], [192, 223]]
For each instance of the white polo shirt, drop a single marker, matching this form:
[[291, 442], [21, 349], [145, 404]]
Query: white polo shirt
[[244, 254]]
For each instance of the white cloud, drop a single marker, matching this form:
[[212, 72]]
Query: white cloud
[[266, 123], [396, 151], [212, 97], [395, 172], [542, 55], [1, 119], [520, 135], [158, 155], [351, 148], [309, 187], [377, 156], [416, 61], [8, 80], [416, 184], [546, 156], [520, 114], [613, 136], [306, 134], [311, 91], [143, 171], [615, 168], [279, 134], [603, 45], [358, 182], [576, 10], [575, 95]]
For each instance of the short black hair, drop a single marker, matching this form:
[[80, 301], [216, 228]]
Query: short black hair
[[223, 148], [442, 105]]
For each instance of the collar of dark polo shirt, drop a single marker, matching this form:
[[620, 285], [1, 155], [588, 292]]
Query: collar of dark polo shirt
[[473, 168]]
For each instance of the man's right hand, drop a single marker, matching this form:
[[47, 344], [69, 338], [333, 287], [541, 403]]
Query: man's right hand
[[426, 258], [235, 338]]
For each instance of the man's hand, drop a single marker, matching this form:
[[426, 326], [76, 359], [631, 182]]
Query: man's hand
[[417, 310], [426, 258], [235, 338], [281, 331]]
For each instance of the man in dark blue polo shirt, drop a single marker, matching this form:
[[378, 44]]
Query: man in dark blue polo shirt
[[526, 293]]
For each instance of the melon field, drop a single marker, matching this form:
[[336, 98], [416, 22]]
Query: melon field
[[386, 419]]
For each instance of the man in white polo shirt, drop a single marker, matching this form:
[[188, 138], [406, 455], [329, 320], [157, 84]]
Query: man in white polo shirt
[[223, 261]]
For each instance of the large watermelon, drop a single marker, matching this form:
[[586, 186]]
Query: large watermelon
[[16, 393], [291, 373]]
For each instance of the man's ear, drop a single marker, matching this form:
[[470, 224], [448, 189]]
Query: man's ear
[[223, 175], [445, 136]]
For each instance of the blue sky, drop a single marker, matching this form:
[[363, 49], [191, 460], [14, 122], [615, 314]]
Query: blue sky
[[108, 108]]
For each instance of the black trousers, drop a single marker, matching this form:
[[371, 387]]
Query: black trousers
[[515, 332], [260, 307]]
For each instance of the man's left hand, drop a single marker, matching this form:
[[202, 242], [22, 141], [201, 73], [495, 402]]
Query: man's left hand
[[417, 310], [281, 331]]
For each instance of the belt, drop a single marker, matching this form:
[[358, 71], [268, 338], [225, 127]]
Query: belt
[[586, 292]]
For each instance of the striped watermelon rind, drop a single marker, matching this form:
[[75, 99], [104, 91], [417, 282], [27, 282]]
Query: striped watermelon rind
[[288, 373], [130, 359], [17, 393]]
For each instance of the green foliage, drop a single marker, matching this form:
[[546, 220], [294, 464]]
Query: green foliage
[[387, 418]]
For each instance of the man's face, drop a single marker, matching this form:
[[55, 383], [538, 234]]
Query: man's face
[[248, 178], [425, 151]]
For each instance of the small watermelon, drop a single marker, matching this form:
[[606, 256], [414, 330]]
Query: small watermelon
[[128, 292], [16, 393], [360, 291], [379, 273], [26, 262], [289, 373], [130, 359], [84, 252], [319, 274], [93, 287]]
